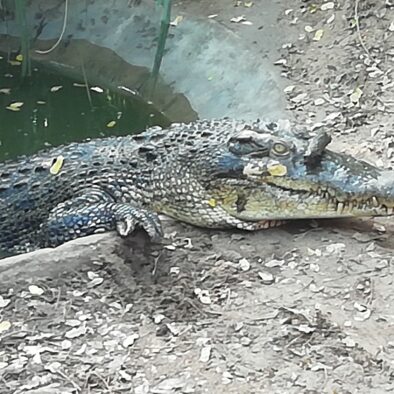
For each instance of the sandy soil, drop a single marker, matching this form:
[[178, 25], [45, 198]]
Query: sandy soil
[[306, 308]]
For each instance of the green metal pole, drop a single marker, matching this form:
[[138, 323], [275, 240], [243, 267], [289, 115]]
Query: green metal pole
[[164, 27], [20, 10]]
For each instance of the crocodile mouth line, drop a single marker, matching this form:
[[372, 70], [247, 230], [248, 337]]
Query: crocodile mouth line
[[349, 205], [341, 204]]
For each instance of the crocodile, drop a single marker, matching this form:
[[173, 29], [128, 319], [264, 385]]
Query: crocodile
[[209, 173]]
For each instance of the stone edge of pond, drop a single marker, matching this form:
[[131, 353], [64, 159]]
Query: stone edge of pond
[[207, 70], [53, 262], [79, 255]]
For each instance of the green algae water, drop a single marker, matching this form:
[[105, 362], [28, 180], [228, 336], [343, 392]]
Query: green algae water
[[49, 110]]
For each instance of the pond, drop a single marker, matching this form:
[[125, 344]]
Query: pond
[[47, 109]]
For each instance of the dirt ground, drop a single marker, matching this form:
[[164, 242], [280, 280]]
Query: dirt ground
[[306, 308]]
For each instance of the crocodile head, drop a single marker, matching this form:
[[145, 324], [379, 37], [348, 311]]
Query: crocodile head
[[268, 172]]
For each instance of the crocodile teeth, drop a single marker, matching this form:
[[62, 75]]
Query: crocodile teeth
[[375, 202], [389, 211], [351, 205], [340, 207]]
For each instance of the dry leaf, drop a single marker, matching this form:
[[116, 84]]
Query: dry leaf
[[327, 6], [300, 97], [203, 296], [73, 323], [238, 19], [76, 332], [4, 326], [112, 123], [304, 328], [318, 35], [97, 89], [348, 342], [356, 95], [335, 248], [35, 290], [4, 302], [81, 350], [129, 341], [205, 354], [178, 19], [95, 282], [332, 116], [319, 101], [331, 19], [280, 62], [13, 109], [16, 104], [244, 264], [289, 89], [92, 275], [66, 344], [57, 165], [56, 88]]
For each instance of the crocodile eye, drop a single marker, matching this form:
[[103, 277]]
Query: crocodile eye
[[280, 149]]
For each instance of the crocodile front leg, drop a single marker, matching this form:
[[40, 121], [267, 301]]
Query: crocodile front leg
[[96, 212]]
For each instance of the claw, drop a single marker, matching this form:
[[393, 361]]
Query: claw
[[142, 219], [125, 227], [153, 227], [155, 232]]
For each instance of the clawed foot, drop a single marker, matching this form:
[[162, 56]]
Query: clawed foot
[[129, 218], [73, 219]]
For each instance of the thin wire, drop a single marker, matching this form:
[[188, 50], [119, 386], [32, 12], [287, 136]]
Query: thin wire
[[356, 18], [61, 34]]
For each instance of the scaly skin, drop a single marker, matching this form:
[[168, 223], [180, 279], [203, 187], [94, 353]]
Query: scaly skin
[[214, 174]]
